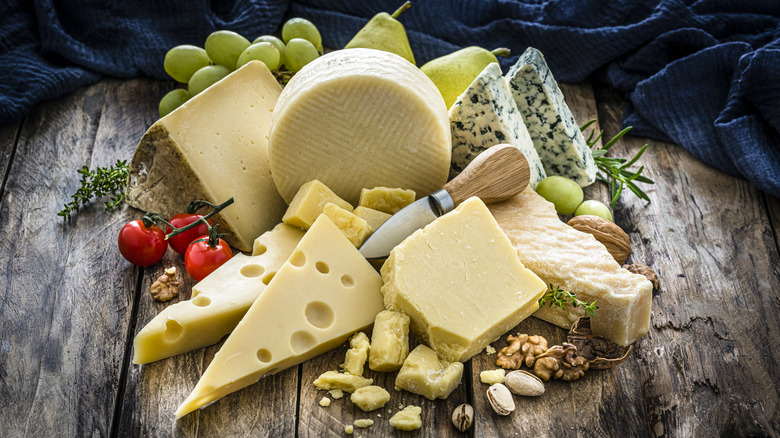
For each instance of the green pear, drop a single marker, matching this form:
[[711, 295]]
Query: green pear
[[384, 32], [453, 73]]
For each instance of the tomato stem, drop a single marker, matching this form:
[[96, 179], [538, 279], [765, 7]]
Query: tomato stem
[[195, 205]]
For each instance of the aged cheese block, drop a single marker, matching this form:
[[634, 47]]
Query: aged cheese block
[[486, 115], [552, 127], [424, 374], [309, 202], [357, 354], [576, 262], [374, 218], [356, 229], [218, 302], [460, 282], [389, 341], [360, 118], [385, 199], [323, 294], [214, 147]]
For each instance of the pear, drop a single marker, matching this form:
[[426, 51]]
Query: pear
[[453, 73], [384, 32]]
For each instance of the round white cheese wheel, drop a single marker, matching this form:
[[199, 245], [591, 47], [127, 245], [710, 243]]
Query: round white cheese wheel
[[360, 118]]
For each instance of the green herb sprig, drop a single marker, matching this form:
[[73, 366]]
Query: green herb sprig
[[557, 297], [614, 171], [97, 184]]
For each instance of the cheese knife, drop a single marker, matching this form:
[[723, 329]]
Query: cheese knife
[[495, 175]]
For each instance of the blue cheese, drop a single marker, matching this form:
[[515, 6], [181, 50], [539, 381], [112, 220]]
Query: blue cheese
[[486, 115], [555, 133]]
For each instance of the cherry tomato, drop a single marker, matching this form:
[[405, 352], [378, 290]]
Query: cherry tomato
[[202, 259], [142, 245], [180, 242]]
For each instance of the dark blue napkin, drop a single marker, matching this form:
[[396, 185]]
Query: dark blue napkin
[[703, 74]]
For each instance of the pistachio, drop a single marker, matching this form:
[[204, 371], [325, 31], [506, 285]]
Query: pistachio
[[524, 383], [500, 399], [463, 417]]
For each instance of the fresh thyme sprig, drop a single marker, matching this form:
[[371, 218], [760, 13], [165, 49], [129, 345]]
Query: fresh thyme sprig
[[614, 171], [557, 297], [96, 184]]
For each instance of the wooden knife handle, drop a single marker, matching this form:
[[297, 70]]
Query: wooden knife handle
[[497, 174]]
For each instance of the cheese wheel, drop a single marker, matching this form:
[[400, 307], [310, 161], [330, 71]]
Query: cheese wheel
[[360, 118]]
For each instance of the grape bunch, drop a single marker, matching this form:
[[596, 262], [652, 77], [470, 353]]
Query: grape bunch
[[225, 51]]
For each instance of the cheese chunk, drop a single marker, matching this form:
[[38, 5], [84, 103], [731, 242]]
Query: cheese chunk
[[360, 118], [486, 115], [214, 147], [355, 228], [356, 355], [493, 376], [389, 341], [460, 282], [309, 203], [555, 133], [333, 380], [373, 217], [578, 263], [325, 292], [370, 398], [407, 419], [385, 199], [424, 374], [218, 302]]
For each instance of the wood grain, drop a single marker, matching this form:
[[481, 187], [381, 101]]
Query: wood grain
[[495, 175]]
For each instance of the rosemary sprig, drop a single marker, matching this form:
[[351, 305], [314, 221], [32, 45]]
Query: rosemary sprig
[[96, 184], [614, 171], [557, 297]]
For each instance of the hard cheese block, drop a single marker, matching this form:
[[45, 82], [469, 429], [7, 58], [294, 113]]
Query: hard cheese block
[[578, 263], [486, 115], [460, 282], [218, 302], [365, 110], [324, 293], [214, 147], [555, 133]]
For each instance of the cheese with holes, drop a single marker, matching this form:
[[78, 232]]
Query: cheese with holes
[[322, 294], [460, 282], [555, 133], [309, 203], [214, 147], [218, 302], [576, 262], [360, 118], [486, 115]]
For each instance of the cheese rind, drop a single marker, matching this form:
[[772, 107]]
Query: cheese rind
[[309, 202], [425, 374], [576, 262], [486, 115], [212, 148], [555, 134], [460, 282]]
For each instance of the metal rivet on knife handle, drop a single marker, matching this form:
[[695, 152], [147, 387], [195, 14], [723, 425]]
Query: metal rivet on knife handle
[[496, 175]]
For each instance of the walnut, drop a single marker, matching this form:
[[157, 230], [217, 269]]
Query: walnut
[[601, 353], [607, 233], [521, 349], [561, 362], [166, 287], [643, 269]]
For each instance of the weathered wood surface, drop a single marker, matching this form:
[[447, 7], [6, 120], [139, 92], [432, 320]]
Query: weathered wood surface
[[70, 306]]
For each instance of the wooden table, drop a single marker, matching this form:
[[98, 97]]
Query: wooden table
[[70, 306]]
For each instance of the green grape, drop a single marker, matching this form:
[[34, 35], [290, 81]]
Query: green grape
[[298, 53], [182, 61], [563, 192], [205, 77], [224, 47], [279, 44], [302, 28], [594, 208], [265, 52], [172, 100]]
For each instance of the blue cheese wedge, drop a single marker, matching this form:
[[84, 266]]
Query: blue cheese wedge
[[486, 115], [555, 133]]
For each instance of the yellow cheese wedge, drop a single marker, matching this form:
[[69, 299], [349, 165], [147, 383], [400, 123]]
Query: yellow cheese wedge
[[460, 282], [360, 118], [214, 147], [310, 202], [218, 302], [324, 293]]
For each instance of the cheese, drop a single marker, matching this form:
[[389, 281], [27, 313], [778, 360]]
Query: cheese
[[389, 341], [373, 217], [424, 374], [356, 355], [218, 302], [355, 228], [486, 115], [578, 263], [407, 419], [360, 118], [322, 294], [492, 376], [385, 199], [370, 398], [333, 380], [309, 202], [214, 147], [555, 133], [460, 282]]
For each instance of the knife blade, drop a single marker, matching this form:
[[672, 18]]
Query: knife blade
[[497, 174]]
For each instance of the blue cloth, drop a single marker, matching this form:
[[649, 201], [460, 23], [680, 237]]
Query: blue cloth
[[703, 74]]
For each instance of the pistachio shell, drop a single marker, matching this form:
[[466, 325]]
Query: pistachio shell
[[524, 383]]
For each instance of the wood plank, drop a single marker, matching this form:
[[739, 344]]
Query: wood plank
[[9, 135], [773, 206]]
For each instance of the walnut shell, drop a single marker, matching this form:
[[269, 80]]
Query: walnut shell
[[607, 233], [643, 269]]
